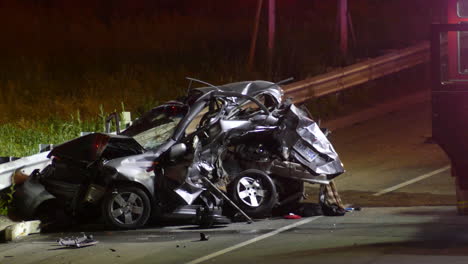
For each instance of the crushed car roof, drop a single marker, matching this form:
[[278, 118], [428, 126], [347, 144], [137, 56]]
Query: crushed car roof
[[250, 88]]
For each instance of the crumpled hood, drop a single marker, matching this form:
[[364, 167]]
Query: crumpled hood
[[303, 139]]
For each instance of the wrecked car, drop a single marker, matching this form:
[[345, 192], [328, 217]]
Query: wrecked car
[[223, 149]]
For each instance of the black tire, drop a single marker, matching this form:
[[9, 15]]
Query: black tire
[[254, 192], [290, 194], [287, 187], [126, 207]]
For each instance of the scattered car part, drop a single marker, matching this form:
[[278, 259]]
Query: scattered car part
[[249, 220], [77, 242], [204, 237], [206, 217], [351, 209], [292, 216], [29, 195]]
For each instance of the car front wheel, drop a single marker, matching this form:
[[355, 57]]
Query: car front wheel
[[254, 192], [126, 207]]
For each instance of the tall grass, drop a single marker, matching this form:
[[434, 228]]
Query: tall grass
[[23, 137]]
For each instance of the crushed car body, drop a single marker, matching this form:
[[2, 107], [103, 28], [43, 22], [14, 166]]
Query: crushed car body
[[219, 150]]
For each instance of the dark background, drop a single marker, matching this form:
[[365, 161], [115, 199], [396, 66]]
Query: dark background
[[62, 56]]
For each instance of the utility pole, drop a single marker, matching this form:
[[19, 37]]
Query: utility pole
[[271, 33], [342, 20], [253, 43]]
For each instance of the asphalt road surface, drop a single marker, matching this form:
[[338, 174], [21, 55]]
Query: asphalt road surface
[[401, 181]]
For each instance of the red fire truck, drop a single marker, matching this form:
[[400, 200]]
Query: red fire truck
[[449, 58]]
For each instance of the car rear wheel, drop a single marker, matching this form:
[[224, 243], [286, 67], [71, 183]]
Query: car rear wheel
[[254, 192], [126, 207]]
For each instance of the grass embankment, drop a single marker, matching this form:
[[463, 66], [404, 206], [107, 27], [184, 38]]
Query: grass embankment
[[23, 137]]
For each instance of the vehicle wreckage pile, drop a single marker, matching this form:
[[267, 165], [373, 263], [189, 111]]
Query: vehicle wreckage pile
[[220, 152]]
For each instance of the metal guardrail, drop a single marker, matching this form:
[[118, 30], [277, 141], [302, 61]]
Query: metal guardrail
[[359, 73], [26, 165]]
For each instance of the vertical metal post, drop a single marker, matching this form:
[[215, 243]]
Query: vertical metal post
[[253, 43], [343, 25], [271, 32]]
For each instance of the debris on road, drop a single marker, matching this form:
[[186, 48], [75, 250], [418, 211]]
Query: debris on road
[[78, 242], [204, 237], [292, 216], [351, 209]]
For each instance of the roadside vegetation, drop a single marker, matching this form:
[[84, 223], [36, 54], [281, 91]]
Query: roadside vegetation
[[6, 200], [22, 138], [66, 65]]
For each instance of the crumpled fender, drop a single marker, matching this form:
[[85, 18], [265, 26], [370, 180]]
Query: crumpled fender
[[308, 144], [29, 196]]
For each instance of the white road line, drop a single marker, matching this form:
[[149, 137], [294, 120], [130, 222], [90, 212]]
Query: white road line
[[253, 240], [403, 184]]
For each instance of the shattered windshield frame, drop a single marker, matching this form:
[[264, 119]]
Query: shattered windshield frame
[[157, 126], [156, 136]]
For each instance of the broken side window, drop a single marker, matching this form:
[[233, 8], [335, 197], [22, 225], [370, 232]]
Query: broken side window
[[157, 135]]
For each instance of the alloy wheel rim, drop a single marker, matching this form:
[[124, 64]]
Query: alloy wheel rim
[[127, 208], [250, 191]]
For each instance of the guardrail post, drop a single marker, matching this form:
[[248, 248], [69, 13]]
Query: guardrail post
[[7, 159], [45, 147], [126, 119]]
